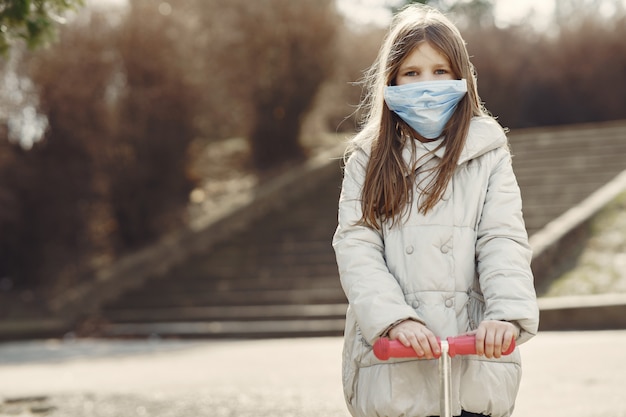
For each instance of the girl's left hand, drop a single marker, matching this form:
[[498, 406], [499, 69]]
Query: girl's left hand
[[494, 337]]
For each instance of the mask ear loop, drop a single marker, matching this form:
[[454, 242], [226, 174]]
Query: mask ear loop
[[399, 131], [402, 131]]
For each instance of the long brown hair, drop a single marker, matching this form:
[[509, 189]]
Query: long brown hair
[[389, 183]]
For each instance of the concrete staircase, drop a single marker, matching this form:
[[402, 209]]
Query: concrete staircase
[[279, 278], [559, 167]]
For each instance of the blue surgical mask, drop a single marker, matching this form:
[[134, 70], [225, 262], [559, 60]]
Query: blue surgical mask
[[426, 106]]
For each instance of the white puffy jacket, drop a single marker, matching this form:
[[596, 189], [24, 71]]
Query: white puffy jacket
[[466, 261]]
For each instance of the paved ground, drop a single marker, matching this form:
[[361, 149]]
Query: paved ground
[[566, 374]]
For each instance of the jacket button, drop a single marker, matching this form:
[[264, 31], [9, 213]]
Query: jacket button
[[449, 302], [445, 249], [415, 304], [409, 250]]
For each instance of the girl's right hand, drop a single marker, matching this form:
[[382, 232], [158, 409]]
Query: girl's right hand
[[414, 334]]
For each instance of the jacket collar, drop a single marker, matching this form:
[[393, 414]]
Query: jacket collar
[[485, 134]]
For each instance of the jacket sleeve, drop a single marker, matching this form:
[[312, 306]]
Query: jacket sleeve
[[503, 254], [372, 291]]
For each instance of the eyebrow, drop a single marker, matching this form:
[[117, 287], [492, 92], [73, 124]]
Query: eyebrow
[[417, 67]]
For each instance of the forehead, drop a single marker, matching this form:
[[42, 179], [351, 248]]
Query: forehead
[[425, 54]]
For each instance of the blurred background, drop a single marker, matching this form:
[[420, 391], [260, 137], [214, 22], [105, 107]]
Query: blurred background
[[134, 120]]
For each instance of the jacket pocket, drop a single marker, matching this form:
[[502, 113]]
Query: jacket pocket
[[490, 386], [475, 309]]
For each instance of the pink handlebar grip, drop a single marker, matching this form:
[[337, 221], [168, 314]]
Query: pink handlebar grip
[[385, 349], [459, 345]]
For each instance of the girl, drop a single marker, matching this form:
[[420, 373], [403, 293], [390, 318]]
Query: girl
[[431, 241]]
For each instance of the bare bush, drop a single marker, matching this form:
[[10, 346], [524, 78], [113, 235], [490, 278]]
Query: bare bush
[[11, 216], [572, 74], [111, 172], [148, 174], [297, 57], [124, 95], [61, 201], [336, 104], [579, 75], [271, 56], [505, 63]]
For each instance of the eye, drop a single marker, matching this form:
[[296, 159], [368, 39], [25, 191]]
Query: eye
[[411, 74], [441, 71]]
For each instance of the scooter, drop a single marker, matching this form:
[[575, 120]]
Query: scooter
[[452, 346]]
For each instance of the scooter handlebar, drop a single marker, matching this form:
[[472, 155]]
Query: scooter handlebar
[[458, 345]]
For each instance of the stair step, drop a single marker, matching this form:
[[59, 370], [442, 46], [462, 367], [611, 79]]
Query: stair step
[[234, 298], [573, 134], [583, 171], [252, 271], [239, 252], [605, 146], [227, 329], [189, 285], [227, 313]]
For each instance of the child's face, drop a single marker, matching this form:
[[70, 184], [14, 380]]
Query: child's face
[[424, 63]]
